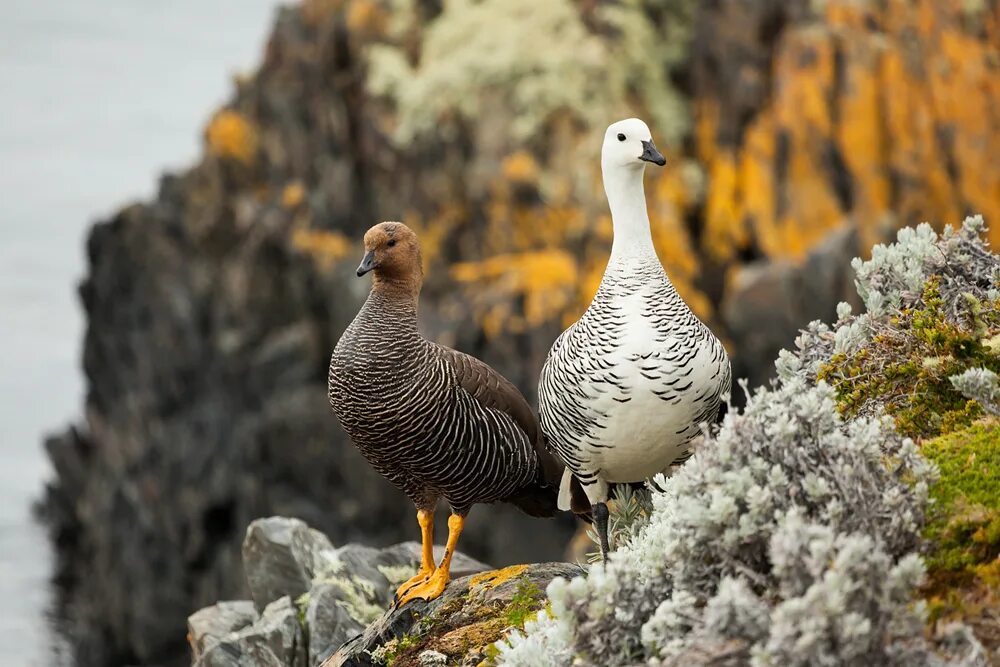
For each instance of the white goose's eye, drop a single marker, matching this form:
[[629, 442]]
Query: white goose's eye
[[621, 137]]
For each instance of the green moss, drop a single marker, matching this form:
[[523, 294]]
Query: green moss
[[906, 365], [964, 528], [966, 523], [524, 605]]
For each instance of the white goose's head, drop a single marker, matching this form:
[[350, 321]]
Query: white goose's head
[[628, 143]]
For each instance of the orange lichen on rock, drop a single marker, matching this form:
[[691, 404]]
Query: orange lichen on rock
[[230, 135], [968, 124], [293, 194], [669, 200], [804, 81], [366, 18], [544, 280], [860, 133], [724, 233], [326, 248], [879, 113], [493, 578], [520, 167], [758, 183], [920, 167], [433, 231]]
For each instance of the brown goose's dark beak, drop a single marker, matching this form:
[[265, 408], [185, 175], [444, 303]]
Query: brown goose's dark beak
[[650, 154], [367, 263]]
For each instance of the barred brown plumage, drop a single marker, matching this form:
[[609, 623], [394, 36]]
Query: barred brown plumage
[[437, 423]]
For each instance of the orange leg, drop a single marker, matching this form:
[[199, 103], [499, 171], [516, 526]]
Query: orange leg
[[426, 520], [434, 585]]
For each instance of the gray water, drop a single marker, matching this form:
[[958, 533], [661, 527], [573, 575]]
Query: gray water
[[96, 99]]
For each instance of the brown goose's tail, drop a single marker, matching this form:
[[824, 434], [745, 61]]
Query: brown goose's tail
[[556, 483]]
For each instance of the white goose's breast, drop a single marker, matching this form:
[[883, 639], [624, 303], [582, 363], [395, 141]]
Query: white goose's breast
[[651, 420]]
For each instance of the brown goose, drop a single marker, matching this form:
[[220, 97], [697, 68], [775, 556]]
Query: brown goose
[[435, 422]]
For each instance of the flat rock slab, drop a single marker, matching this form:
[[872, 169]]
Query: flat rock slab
[[472, 613]]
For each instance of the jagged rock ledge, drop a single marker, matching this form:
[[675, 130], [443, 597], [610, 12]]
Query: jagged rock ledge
[[316, 604]]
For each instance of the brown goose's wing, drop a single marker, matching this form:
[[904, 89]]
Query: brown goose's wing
[[493, 390]]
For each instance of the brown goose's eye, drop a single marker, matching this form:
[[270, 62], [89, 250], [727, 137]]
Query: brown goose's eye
[[621, 137], [392, 243]]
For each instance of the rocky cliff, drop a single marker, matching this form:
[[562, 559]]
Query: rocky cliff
[[791, 128]]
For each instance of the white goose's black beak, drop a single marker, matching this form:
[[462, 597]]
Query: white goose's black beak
[[650, 154], [367, 263]]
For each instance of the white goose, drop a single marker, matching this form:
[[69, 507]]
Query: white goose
[[625, 389]]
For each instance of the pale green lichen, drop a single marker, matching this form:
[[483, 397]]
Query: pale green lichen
[[474, 57], [358, 596], [397, 574]]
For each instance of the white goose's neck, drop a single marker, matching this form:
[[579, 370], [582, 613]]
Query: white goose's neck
[[627, 199]]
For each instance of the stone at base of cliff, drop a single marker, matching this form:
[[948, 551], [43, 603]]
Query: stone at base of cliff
[[472, 613], [274, 640], [208, 626], [311, 596]]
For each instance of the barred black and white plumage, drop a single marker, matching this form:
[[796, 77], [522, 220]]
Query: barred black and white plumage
[[437, 423], [626, 388]]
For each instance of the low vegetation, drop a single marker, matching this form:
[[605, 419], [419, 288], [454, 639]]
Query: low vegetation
[[823, 522]]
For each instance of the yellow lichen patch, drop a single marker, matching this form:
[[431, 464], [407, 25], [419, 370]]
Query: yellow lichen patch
[[915, 160], [232, 136], [493, 578], [859, 134], [326, 248], [669, 200], [293, 194], [881, 113], [965, 94], [520, 167], [724, 232], [434, 229], [544, 280], [366, 17], [805, 77], [706, 128], [758, 182]]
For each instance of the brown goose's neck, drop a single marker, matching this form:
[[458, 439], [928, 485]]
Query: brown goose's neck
[[393, 305]]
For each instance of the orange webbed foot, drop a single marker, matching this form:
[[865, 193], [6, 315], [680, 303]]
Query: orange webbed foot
[[429, 589], [434, 585], [420, 577]]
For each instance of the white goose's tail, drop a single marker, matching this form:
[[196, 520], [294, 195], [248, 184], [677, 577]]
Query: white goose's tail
[[565, 499]]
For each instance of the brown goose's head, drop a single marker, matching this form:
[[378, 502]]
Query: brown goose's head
[[393, 253]]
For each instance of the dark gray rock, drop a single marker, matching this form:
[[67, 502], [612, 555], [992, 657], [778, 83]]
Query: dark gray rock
[[274, 640], [281, 557], [330, 623], [338, 592], [208, 626], [769, 302]]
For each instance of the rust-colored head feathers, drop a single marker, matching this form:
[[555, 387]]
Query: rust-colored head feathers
[[392, 251]]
